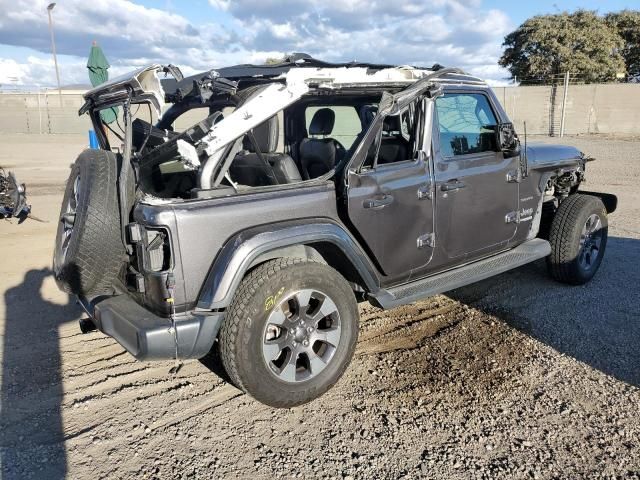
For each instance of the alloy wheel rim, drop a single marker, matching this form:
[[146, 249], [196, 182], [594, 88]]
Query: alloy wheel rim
[[590, 242], [301, 335], [68, 218]]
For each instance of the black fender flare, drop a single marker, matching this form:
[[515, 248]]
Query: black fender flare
[[609, 200], [242, 249]]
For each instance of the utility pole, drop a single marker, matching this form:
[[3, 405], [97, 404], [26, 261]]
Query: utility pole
[[564, 103], [53, 49]]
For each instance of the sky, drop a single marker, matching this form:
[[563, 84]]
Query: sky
[[199, 35]]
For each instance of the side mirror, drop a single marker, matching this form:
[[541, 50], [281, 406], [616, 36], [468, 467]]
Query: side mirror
[[508, 140]]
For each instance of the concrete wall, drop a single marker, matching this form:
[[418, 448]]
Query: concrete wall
[[42, 113], [597, 108]]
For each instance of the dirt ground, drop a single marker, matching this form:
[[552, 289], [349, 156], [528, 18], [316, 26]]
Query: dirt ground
[[514, 377]]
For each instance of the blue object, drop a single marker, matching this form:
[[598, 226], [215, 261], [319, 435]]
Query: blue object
[[93, 140]]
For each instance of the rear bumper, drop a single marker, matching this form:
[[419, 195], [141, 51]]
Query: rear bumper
[[148, 336]]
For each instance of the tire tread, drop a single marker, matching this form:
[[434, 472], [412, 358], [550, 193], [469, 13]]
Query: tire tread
[[99, 253], [229, 330], [565, 228], [232, 352]]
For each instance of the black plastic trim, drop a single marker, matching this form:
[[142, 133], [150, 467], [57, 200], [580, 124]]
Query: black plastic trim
[[609, 199], [147, 336], [239, 252], [524, 253]]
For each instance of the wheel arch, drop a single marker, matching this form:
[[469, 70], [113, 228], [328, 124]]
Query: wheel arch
[[609, 200], [317, 239]]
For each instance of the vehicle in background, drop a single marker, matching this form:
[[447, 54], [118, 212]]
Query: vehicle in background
[[13, 200]]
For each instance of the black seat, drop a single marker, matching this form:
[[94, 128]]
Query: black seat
[[393, 146], [319, 155], [266, 167], [367, 114]]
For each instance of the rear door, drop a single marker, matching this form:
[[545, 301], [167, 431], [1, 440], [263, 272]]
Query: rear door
[[389, 200], [476, 187]]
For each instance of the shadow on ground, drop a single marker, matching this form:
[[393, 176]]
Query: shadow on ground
[[31, 430], [597, 323], [213, 362]]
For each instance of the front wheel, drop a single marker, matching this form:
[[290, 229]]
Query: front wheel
[[290, 332], [578, 238]]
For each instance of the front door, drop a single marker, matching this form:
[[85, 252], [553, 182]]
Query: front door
[[476, 186], [389, 197]]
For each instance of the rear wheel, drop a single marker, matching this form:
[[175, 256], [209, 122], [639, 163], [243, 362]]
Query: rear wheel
[[89, 253], [290, 332], [578, 238]]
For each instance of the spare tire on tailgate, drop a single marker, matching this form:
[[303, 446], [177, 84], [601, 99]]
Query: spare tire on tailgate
[[89, 252]]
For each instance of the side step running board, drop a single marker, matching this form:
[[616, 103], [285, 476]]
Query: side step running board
[[460, 276]]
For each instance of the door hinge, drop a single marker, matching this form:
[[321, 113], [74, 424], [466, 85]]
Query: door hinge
[[427, 240], [425, 191], [514, 176], [512, 217]]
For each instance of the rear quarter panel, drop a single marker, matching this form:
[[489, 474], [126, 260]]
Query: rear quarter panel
[[199, 228]]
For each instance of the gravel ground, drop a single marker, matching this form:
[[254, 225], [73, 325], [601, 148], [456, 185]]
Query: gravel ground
[[514, 377]]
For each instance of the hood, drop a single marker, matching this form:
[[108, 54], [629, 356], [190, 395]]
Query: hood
[[141, 84], [542, 156]]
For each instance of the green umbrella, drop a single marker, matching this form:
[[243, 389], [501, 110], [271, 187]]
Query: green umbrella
[[99, 73]]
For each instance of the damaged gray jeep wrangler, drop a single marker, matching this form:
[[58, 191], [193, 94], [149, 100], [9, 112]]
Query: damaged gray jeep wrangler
[[301, 189]]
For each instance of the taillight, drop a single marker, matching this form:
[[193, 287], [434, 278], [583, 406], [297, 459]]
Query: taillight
[[152, 248], [158, 258]]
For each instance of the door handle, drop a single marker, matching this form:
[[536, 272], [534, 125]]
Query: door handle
[[378, 202], [452, 185]]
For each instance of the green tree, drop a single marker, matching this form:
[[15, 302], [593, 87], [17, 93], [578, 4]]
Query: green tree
[[546, 46], [627, 24]]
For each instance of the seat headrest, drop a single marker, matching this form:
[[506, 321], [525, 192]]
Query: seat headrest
[[322, 122], [266, 135], [391, 124], [367, 114]]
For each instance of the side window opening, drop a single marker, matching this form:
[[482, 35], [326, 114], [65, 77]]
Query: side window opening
[[311, 146], [323, 137], [346, 124], [332, 133], [318, 137], [467, 124], [406, 125], [399, 134], [262, 160], [366, 113]]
